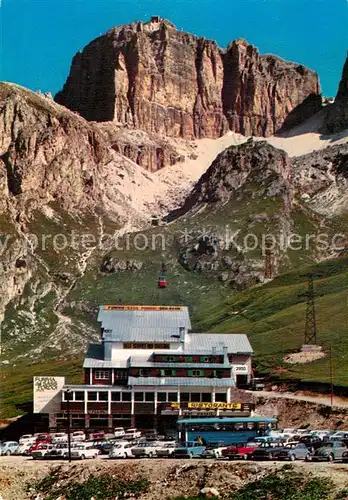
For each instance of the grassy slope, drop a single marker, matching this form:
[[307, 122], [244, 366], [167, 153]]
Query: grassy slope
[[273, 314]]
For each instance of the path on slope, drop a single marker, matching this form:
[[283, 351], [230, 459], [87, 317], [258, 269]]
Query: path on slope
[[321, 399]]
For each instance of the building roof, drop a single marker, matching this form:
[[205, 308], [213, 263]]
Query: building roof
[[143, 323], [95, 358], [226, 420], [235, 343], [181, 381]]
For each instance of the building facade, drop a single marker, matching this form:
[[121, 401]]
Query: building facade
[[149, 370]]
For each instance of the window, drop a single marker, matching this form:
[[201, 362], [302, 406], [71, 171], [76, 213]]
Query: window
[[138, 396], [196, 397], [206, 359], [162, 397], [149, 396], [92, 396], [171, 359], [221, 397], [172, 396], [120, 374], [103, 396], [197, 373], [206, 397], [126, 396], [168, 373], [79, 396], [115, 396], [101, 375], [185, 397]]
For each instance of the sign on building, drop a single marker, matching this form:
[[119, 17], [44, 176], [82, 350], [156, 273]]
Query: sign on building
[[241, 369], [47, 393], [210, 406], [143, 308]]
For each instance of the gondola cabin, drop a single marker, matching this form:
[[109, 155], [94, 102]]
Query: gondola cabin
[[162, 282]]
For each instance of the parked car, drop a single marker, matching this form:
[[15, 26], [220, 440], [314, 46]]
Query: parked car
[[27, 438], [166, 450], [242, 450], [105, 448], [329, 451], [345, 456], [78, 436], [312, 442], [41, 451], [23, 449], [145, 449], [84, 450], [9, 447], [121, 450], [293, 451], [60, 451], [132, 434], [266, 451], [189, 449], [96, 435], [119, 432], [43, 437], [214, 450], [35, 446], [60, 437]]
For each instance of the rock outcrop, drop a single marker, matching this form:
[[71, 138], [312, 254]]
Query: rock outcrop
[[153, 77], [265, 94], [337, 115]]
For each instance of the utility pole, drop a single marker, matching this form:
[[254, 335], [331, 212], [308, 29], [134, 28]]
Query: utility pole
[[69, 422], [268, 271], [311, 324], [331, 377]]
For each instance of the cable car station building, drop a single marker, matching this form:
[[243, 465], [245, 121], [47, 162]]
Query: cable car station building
[[149, 370]]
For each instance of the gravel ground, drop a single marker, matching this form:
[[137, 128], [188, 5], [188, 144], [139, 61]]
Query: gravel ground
[[168, 477]]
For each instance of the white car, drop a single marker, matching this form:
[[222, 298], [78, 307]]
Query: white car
[[119, 432], [60, 437], [166, 449], [84, 450], [121, 450], [145, 449], [41, 451], [132, 434], [213, 451], [78, 436], [27, 438], [23, 449]]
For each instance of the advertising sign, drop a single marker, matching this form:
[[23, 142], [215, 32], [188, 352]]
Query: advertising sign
[[47, 397], [143, 308], [240, 368], [210, 406]]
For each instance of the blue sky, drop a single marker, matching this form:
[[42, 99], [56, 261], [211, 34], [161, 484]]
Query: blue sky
[[40, 37]]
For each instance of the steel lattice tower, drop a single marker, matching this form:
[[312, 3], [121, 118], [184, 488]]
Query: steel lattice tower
[[268, 261], [311, 324]]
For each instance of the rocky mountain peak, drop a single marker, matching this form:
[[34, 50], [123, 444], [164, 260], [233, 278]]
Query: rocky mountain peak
[[337, 116], [153, 77]]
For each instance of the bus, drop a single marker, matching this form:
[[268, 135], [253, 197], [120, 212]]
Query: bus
[[229, 430]]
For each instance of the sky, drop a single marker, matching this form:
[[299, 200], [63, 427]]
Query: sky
[[40, 37]]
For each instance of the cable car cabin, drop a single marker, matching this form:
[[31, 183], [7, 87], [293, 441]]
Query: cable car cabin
[[162, 282]]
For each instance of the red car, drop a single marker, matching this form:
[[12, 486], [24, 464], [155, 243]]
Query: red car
[[242, 450], [39, 443]]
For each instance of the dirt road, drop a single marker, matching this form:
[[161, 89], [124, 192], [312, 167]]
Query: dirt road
[[320, 399]]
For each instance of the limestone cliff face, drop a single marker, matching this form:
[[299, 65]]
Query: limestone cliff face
[[337, 117], [265, 94], [47, 153], [153, 77]]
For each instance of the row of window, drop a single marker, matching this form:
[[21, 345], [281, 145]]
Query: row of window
[[145, 372], [162, 397], [188, 359]]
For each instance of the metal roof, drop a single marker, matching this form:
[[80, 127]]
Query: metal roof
[[125, 320], [129, 333], [95, 359], [182, 381], [226, 420], [235, 342]]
